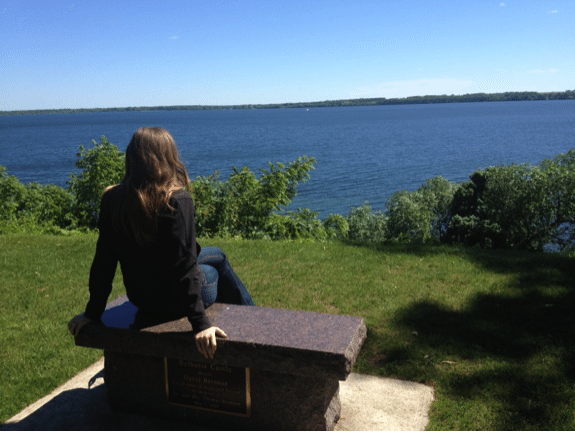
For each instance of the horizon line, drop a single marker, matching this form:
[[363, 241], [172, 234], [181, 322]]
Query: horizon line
[[280, 104]]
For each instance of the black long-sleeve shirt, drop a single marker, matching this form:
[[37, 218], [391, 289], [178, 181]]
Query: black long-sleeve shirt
[[162, 278]]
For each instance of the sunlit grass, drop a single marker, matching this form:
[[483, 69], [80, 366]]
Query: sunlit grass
[[492, 332], [43, 284]]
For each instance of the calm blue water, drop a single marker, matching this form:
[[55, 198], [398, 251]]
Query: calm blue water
[[363, 153]]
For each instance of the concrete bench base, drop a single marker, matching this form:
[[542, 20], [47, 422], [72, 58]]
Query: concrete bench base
[[278, 369], [278, 401]]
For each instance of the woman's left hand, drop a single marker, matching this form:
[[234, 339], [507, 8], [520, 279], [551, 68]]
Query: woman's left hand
[[77, 323]]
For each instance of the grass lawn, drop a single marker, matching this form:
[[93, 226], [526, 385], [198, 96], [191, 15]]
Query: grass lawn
[[492, 332]]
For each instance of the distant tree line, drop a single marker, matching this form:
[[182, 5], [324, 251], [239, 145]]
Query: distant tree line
[[429, 99]]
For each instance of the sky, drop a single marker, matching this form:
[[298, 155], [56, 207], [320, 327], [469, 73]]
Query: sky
[[100, 53]]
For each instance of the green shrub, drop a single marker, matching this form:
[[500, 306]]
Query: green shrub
[[49, 208], [305, 223], [408, 218], [514, 206], [251, 207], [33, 208], [437, 196], [102, 165], [48, 204], [421, 216], [365, 226], [336, 225], [244, 205], [517, 206], [12, 194], [560, 187]]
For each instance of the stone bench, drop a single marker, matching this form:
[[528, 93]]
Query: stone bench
[[278, 369]]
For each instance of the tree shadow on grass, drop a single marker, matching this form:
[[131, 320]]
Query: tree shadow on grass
[[514, 349]]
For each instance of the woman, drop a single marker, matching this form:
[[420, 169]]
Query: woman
[[147, 224]]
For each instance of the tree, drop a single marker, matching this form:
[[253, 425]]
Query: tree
[[365, 225], [516, 206], [48, 204], [436, 196], [560, 191], [422, 215], [33, 207], [408, 218], [12, 193], [251, 207], [101, 165]]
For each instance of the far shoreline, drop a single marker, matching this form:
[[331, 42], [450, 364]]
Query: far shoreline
[[429, 99]]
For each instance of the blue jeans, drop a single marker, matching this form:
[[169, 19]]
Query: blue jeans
[[219, 281]]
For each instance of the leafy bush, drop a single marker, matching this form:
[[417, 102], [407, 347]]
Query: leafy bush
[[243, 205], [502, 207], [12, 193], [437, 196], [513, 206], [365, 226], [423, 215], [410, 217], [101, 165], [33, 207], [335, 225], [517, 206], [48, 204], [304, 223], [560, 187], [251, 207], [49, 208]]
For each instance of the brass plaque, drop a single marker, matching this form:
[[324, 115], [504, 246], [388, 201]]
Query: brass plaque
[[208, 386]]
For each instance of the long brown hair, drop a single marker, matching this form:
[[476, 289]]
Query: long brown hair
[[153, 172]]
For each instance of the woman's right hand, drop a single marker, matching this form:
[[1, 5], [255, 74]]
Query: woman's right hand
[[77, 323], [206, 341]]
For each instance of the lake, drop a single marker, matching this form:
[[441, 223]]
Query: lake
[[363, 153]]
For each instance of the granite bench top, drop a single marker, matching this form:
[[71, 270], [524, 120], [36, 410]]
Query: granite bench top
[[276, 340]]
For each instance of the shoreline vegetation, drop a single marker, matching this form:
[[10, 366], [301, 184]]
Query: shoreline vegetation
[[428, 99], [517, 206]]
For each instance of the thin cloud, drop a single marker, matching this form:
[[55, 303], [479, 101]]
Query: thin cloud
[[554, 11], [174, 37], [501, 4]]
